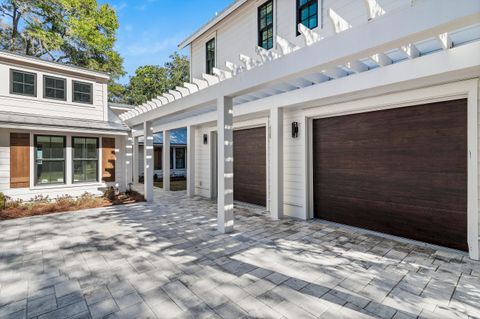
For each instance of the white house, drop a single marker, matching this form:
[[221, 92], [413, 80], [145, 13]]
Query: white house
[[57, 134], [360, 112]]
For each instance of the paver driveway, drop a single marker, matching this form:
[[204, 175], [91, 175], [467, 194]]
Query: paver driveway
[[167, 260]]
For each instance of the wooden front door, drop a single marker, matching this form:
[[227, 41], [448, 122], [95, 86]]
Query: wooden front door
[[400, 171], [19, 160], [249, 166]]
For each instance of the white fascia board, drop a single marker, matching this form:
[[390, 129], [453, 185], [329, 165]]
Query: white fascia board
[[445, 66], [211, 23], [33, 127], [385, 33]]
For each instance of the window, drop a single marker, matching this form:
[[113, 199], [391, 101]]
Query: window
[[54, 88], [180, 158], [210, 56], [265, 25], [307, 13], [23, 83], [85, 159], [82, 92], [49, 160]]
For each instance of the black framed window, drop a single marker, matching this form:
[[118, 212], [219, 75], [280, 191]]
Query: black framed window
[[307, 13], [23, 83], [82, 92], [49, 159], [54, 88], [265, 25], [210, 54], [85, 159], [180, 158]]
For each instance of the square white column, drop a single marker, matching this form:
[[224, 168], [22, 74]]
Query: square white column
[[136, 159], [148, 161], [129, 160], [166, 160], [225, 164], [276, 163], [191, 161]]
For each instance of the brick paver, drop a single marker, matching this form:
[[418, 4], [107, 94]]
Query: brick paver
[[167, 260]]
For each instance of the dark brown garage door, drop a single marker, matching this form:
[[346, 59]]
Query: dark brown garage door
[[401, 171], [249, 166]]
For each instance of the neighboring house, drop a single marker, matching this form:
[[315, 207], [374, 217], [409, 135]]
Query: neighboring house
[[57, 134], [178, 154], [361, 112]]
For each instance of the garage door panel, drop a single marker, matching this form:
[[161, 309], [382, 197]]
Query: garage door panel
[[400, 171], [249, 166]]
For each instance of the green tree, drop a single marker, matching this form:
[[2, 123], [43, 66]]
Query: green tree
[[151, 81], [78, 32]]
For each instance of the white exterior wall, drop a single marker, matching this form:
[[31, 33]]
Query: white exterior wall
[[203, 169], [48, 107], [69, 188], [237, 33]]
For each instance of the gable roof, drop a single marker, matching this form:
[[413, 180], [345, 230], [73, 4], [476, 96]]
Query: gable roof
[[219, 17]]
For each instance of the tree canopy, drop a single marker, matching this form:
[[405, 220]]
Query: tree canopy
[[151, 81], [79, 32]]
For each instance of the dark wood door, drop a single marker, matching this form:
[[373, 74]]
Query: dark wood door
[[249, 166], [400, 171], [19, 160]]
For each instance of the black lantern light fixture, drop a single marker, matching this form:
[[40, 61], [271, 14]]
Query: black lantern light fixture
[[294, 129], [205, 139]]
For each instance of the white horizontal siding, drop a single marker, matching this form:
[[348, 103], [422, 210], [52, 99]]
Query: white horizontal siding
[[202, 162], [238, 32], [48, 107]]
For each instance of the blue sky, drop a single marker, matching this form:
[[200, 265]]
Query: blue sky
[[150, 30]]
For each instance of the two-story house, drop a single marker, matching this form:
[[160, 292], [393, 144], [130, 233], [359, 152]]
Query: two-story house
[[358, 112], [57, 134]]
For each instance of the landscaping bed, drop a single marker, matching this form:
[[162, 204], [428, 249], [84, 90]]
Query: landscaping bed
[[43, 205]]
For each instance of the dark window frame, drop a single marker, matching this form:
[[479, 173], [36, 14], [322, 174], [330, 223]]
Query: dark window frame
[[83, 83], [35, 145], [85, 159], [210, 61], [34, 83], [56, 79], [184, 150], [267, 27], [307, 4]]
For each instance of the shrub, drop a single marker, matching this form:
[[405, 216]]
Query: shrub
[[3, 201], [110, 194]]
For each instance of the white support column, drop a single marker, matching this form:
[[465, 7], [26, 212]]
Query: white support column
[[276, 162], [191, 161], [225, 164], [166, 160], [129, 159], [148, 161], [136, 160]]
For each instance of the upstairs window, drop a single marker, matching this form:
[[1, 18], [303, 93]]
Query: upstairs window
[[54, 88], [265, 25], [307, 13], [210, 47], [82, 92], [23, 83]]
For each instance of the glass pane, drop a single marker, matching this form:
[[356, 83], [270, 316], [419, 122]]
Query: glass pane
[[29, 89], [91, 148], [171, 158], [17, 77], [57, 171], [304, 14], [313, 9], [313, 22], [29, 79], [79, 148], [269, 19], [78, 175], [302, 2], [90, 170], [49, 92], [269, 8], [60, 94], [49, 82], [50, 172], [180, 158], [57, 146], [17, 88], [60, 84], [76, 97], [262, 24]]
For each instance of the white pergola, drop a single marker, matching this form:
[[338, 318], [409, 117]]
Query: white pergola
[[292, 77]]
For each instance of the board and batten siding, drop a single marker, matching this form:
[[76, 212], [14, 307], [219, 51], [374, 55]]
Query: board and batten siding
[[202, 162], [237, 33], [48, 107]]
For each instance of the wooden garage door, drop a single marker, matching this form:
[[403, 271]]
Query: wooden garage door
[[249, 166], [401, 171]]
